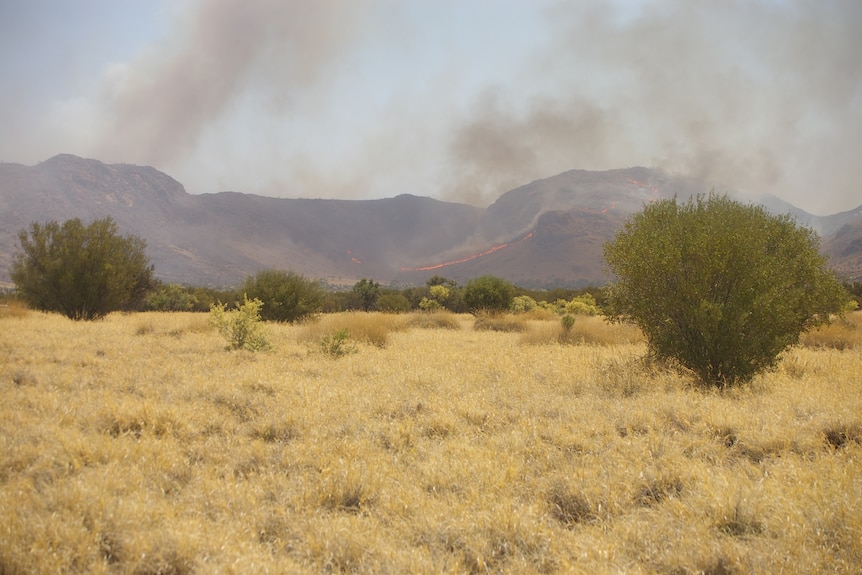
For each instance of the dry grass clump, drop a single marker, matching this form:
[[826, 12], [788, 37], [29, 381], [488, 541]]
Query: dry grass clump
[[433, 320], [500, 322], [13, 308], [586, 330], [446, 451], [540, 314], [844, 333], [172, 324], [372, 328]]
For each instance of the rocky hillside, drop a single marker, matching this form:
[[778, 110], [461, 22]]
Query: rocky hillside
[[548, 232]]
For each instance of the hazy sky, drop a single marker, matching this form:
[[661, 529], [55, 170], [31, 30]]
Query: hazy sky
[[459, 100]]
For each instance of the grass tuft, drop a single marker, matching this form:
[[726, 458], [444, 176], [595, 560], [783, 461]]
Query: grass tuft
[[570, 506], [433, 320], [838, 436], [586, 330], [14, 309], [372, 328], [841, 334], [506, 323]]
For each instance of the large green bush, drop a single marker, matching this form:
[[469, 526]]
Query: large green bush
[[719, 287], [83, 272], [171, 297], [488, 294], [286, 296], [366, 292], [393, 303]]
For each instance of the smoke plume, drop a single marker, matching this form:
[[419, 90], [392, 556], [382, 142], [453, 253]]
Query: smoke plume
[[763, 97]]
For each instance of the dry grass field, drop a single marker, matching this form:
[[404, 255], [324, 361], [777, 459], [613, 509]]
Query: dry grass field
[[139, 445]]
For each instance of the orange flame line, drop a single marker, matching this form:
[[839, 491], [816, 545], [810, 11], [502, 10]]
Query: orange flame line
[[653, 189], [466, 258]]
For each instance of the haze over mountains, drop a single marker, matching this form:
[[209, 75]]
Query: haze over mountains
[[546, 233]]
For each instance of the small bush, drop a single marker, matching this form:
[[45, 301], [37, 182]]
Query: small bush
[[337, 344], [522, 304], [430, 305], [583, 305], [241, 327]]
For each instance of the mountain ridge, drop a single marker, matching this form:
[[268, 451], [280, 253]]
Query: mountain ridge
[[545, 233]]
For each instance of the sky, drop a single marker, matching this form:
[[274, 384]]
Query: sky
[[460, 100]]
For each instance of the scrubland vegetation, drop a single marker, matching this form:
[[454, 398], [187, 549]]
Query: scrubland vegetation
[[139, 444]]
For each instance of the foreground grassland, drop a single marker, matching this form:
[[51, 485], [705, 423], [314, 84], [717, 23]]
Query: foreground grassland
[[139, 445]]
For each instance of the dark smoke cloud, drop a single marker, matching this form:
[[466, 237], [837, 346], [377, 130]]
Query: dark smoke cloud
[[758, 96]]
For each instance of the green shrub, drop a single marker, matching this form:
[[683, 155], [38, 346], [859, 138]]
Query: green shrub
[[488, 294], [337, 344], [393, 303], [366, 292], [171, 297], [286, 296], [582, 305], [241, 327], [523, 304], [83, 272], [720, 287], [430, 305]]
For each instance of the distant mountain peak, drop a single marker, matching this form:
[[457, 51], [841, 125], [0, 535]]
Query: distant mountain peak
[[547, 232]]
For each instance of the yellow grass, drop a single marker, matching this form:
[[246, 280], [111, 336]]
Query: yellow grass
[[372, 328], [12, 308], [589, 330], [842, 333], [138, 444]]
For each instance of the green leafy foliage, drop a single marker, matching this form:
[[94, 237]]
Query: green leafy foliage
[[719, 287], [366, 291], [430, 305], [522, 304], [489, 294], [582, 305], [436, 299], [286, 296], [393, 303], [241, 327], [171, 297], [337, 344], [83, 272]]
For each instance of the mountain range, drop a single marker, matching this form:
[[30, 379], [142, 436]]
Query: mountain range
[[546, 233]]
